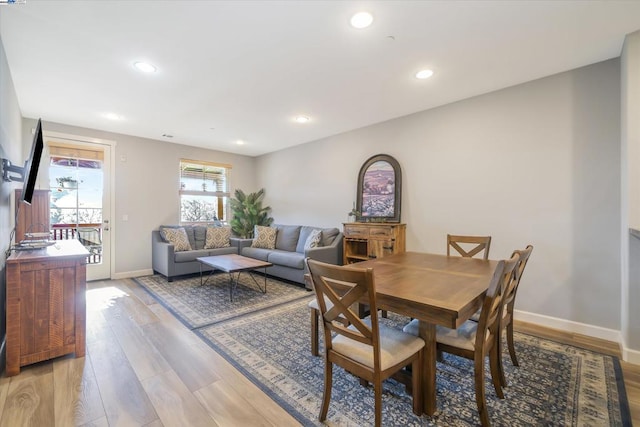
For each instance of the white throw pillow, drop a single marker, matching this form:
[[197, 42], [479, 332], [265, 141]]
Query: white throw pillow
[[314, 239]]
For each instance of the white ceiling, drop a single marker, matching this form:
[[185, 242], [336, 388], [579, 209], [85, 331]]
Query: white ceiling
[[230, 70]]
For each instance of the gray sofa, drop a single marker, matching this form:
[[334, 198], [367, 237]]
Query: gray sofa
[[289, 253], [287, 257], [170, 264]]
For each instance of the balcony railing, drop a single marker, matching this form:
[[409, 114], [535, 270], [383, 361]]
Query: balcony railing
[[90, 235]]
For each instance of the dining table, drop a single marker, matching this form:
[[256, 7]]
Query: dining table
[[436, 290]]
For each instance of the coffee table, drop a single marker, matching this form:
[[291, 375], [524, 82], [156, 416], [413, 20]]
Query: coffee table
[[232, 263]]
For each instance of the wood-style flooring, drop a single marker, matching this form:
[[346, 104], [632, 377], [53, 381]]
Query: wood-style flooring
[[144, 368]]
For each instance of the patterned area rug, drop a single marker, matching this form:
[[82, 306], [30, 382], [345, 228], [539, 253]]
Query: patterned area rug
[[555, 385], [198, 306]]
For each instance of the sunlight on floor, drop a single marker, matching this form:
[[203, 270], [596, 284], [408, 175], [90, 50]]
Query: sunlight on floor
[[101, 298]]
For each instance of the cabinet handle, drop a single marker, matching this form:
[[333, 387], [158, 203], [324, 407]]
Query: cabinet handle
[[388, 247]]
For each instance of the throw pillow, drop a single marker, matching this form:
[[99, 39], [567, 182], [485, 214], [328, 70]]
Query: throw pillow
[[264, 237], [178, 238], [313, 241], [217, 237]]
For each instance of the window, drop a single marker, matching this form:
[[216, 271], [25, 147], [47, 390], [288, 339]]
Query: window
[[204, 191]]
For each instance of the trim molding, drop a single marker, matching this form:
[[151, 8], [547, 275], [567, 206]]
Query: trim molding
[[131, 274], [570, 326], [628, 355]]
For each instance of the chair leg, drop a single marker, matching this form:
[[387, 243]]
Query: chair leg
[[314, 332], [416, 378], [480, 398], [328, 379], [377, 390], [512, 348], [503, 379], [496, 369]]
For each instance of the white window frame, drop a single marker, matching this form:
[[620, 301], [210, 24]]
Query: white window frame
[[221, 192]]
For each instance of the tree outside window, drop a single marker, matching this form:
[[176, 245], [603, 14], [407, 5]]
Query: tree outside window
[[204, 191]]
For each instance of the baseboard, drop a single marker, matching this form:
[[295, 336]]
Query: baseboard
[[569, 326], [631, 356], [130, 274]]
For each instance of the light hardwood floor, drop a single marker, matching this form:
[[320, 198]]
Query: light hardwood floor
[[144, 368]]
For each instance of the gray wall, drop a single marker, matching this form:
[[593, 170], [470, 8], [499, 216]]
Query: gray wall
[[535, 163], [10, 148], [630, 300], [146, 188]]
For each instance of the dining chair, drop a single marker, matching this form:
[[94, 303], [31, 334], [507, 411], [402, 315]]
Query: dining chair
[[509, 303], [477, 340], [367, 349], [481, 243], [315, 314]]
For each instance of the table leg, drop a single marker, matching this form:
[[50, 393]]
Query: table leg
[[428, 334]]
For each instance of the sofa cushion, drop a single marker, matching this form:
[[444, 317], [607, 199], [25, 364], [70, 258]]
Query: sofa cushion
[[314, 240], [189, 256], [217, 237], [177, 237], [329, 235], [287, 237], [257, 253], [286, 259], [264, 237], [199, 236], [223, 251]]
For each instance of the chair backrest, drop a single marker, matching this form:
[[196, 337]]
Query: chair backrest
[[491, 313], [510, 292], [344, 286], [481, 243]]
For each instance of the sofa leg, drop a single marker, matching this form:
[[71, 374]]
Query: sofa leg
[[169, 279]]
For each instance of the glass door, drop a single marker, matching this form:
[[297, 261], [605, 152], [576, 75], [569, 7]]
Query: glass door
[[77, 181]]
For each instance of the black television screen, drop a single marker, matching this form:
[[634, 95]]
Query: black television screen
[[32, 164]]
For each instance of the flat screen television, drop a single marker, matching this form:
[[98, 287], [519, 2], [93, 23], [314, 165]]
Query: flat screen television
[[32, 164]]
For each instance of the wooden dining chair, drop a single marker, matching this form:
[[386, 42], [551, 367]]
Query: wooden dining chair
[[315, 314], [480, 243], [509, 303], [477, 340], [366, 349]]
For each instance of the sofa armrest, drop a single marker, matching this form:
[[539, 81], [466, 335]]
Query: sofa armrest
[[240, 243], [331, 254], [162, 255]]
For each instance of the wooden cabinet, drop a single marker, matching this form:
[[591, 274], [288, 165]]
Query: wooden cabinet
[[364, 241], [46, 314], [34, 217]]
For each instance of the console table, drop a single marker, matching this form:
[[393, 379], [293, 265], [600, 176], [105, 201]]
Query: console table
[[369, 240], [46, 310]]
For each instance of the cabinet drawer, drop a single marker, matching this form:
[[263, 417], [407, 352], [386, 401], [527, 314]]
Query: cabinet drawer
[[379, 232], [356, 232]]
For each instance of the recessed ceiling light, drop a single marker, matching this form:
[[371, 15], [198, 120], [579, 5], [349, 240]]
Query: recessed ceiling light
[[112, 116], [145, 67], [302, 119], [361, 20], [424, 74], [239, 142]]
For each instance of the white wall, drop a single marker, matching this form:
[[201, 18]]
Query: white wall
[[536, 163], [146, 189]]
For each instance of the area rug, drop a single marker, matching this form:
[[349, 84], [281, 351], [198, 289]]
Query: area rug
[[197, 306], [555, 385]]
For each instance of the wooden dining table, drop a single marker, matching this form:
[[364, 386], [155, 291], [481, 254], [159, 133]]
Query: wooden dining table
[[436, 290]]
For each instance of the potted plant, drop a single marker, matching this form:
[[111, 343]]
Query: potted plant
[[67, 182], [353, 214], [248, 212]]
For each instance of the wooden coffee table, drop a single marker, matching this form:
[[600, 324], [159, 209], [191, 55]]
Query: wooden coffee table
[[234, 264]]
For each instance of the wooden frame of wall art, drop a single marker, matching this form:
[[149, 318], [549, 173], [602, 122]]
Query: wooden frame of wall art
[[379, 190]]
